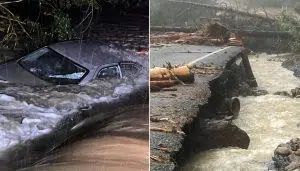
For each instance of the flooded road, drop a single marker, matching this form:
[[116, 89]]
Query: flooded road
[[36, 121], [268, 120]]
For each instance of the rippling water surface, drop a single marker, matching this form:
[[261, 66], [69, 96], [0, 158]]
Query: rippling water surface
[[268, 120]]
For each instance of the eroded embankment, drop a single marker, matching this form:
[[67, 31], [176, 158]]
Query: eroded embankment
[[179, 128], [269, 120]]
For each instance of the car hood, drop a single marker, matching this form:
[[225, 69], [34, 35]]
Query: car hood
[[12, 72]]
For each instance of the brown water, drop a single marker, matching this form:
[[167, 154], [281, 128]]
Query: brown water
[[109, 153], [122, 145], [268, 120]]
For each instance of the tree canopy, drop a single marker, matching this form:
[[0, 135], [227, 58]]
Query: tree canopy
[[34, 23]]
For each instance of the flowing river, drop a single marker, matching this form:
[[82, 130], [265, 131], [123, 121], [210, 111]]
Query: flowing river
[[268, 120]]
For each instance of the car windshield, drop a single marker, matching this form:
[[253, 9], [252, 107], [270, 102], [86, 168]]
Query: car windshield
[[53, 67]]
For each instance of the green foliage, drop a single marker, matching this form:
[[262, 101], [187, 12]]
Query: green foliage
[[168, 13], [62, 27], [286, 22], [297, 7]]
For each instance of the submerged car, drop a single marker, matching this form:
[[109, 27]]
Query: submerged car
[[72, 62]]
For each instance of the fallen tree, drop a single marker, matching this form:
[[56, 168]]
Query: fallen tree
[[169, 76], [182, 73]]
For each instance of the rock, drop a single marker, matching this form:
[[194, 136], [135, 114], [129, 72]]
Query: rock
[[295, 92], [295, 140], [292, 157], [283, 151], [221, 133], [281, 162], [292, 166], [297, 70], [282, 93], [259, 92], [284, 145], [294, 147], [297, 152], [271, 166], [287, 156], [294, 143], [293, 64]]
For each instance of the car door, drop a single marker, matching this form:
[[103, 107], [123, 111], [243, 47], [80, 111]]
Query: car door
[[129, 70], [122, 70]]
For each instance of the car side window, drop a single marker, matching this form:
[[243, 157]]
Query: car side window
[[109, 72], [129, 69]]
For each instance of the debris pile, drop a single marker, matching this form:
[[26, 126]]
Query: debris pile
[[287, 156], [216, 31], [211, 34]]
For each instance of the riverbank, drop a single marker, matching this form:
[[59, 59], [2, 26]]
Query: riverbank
[[268, 120]]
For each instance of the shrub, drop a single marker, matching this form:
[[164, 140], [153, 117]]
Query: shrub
[[286, 22]]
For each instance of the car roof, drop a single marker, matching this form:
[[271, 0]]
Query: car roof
[[92, 54]]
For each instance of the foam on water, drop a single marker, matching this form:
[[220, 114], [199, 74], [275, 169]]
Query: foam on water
[[271, 76], [21, 120], [32, 123]]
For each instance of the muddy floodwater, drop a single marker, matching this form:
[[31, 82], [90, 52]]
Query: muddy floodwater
[[268, 120], [120, 145]]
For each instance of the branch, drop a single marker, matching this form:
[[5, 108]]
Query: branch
[[11, 19], [92, 13], [16, 20], [11, 2], [86, 17]]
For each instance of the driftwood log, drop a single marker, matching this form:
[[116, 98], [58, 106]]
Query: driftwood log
[[168, 77], [182, 73]]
